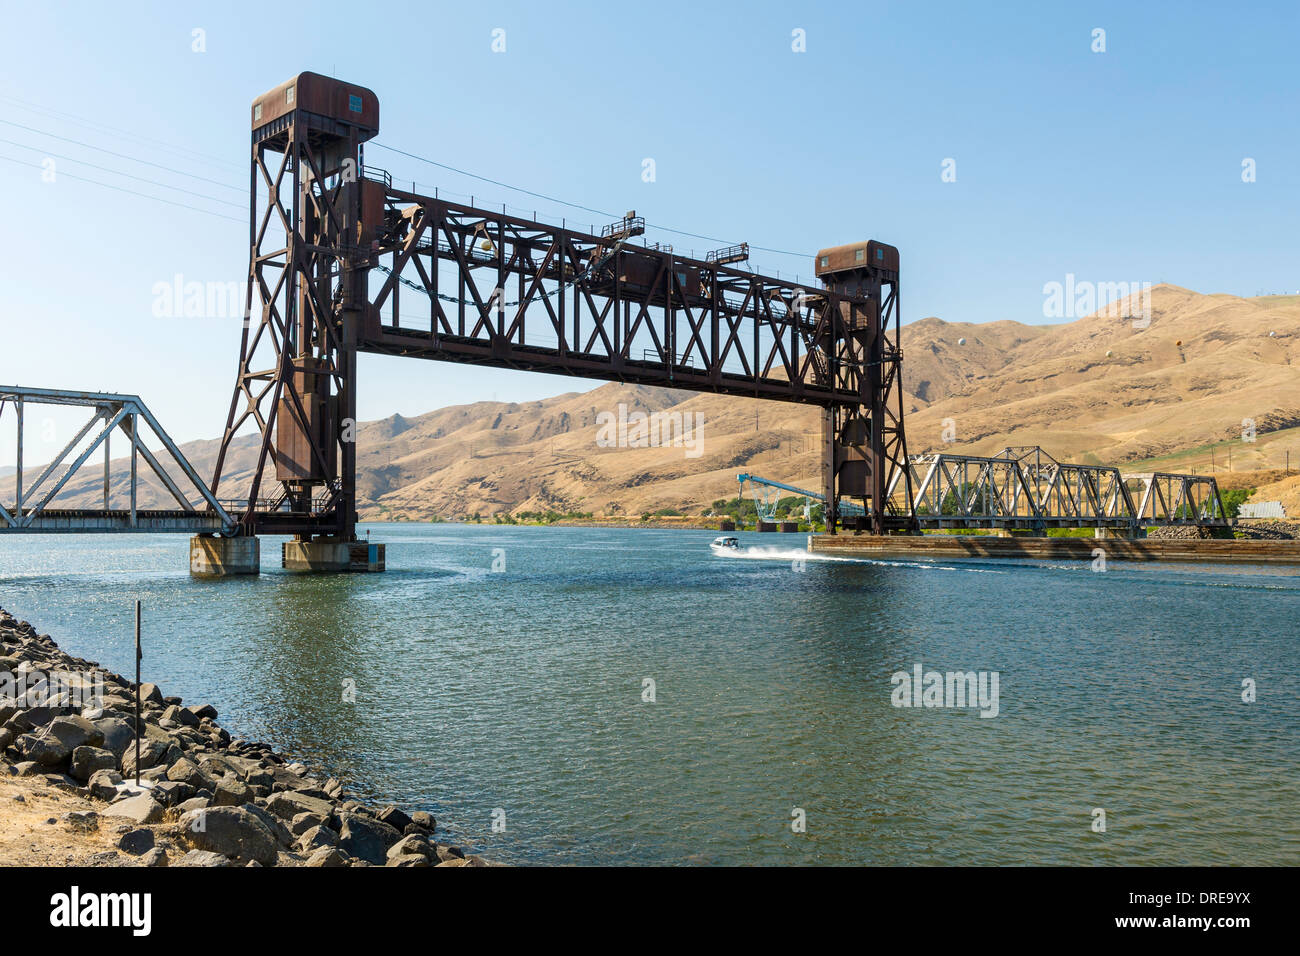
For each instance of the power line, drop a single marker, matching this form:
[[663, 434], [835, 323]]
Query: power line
[[134, 159], [118, 172], [95, 125], [123, 189], [462, 172], [574, 205]]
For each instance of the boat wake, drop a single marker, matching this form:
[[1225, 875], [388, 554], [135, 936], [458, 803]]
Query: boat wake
[[769, 553]]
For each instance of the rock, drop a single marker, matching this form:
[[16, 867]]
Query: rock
[[366, 838], [171, 792], [54, 743], [272, 823], [454, 861], [305, 821], [140, 809], [180, 716], [316, 838], [136, 842], [284, 779], [395, 818], [408, 859], [62, 781], [445, 852], [412, 844], [103, 784], [155, 857], [82, 821], [117, 735], [33, 717], [193, 803], [217, 766], [187, 771], [327, 856], [424, 821], [27, 768], [231, 792], [151, 752], [87, 761], [203, 711], [151, 694], [203, 858], [231, 831], [288, 804]]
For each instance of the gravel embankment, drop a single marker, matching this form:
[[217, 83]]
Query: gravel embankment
[[1269, 529], [1253, 530], [205, 799]]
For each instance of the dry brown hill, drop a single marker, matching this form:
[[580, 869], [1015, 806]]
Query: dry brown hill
[[1172, 395]]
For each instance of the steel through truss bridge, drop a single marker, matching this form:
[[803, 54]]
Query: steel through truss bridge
[[128, 417], [343, 262], [1024, 487]]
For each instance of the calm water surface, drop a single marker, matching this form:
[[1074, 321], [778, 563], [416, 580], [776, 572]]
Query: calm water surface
[[522, 690]]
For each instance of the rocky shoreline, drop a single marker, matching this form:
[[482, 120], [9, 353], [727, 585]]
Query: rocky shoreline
[[204, 798]]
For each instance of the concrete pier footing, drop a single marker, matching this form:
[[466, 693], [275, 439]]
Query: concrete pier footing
[[329, 554], [212, 556]]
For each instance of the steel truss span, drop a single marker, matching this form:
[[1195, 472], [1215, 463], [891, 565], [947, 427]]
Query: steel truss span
[[343, 262], [129, 418], [1025, 487]]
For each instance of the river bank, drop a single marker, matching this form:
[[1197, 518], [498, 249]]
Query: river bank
[[68, 762]]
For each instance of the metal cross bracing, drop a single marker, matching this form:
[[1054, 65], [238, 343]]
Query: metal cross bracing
[[1178, 499], [31, 508], [343, 262], [620, 312], [1024, 487]]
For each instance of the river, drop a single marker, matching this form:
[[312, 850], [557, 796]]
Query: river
[[592, 696]]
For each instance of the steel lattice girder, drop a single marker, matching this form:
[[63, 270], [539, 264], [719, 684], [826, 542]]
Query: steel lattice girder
[[605, 307]]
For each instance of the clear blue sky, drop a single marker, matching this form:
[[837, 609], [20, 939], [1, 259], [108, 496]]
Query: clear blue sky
[[1115, 166]]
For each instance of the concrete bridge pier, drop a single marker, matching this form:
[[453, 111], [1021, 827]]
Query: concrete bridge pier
[[212, 556], [329, 554]]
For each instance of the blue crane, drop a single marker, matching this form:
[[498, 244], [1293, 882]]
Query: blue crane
[[766, 498]]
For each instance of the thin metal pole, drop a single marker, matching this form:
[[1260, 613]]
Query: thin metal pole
[[137, 692]]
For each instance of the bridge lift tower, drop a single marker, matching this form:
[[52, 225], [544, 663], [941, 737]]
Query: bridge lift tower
[[464, 284]]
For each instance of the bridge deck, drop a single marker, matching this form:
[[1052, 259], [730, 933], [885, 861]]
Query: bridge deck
[[98, 521]]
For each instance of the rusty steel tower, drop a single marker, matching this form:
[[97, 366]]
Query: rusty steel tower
[[306, 296], [866, 447], [463, 284]]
